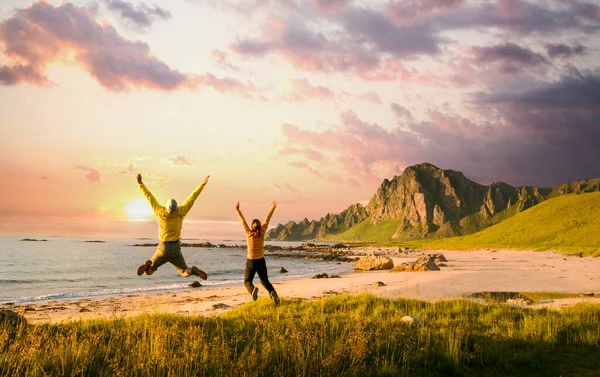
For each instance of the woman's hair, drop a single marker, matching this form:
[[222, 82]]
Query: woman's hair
[[255, 228]]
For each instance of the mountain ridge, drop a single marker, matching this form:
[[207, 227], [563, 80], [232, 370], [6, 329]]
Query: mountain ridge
[[426, 201]]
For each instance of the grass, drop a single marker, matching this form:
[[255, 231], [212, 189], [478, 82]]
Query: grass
[[343, 335], [365, 231], [568, 223]]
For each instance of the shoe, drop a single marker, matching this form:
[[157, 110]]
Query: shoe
[[275, 297], [144, 267], [255, 293], [198, 272]]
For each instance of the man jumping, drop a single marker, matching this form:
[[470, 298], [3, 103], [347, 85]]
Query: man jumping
[[170, 220]]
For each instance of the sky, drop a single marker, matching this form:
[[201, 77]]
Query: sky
[[310, 103]]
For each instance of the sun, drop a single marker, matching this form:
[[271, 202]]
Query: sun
[[138, 209]]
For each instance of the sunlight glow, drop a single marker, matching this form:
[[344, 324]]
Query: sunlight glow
[[138, 209]]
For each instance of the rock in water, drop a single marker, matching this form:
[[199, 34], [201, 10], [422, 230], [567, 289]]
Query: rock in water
[[282, 270], [195, 284], [372, 262], [321, 276]]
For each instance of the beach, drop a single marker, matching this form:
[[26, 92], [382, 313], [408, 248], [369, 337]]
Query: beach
[[465, 273]]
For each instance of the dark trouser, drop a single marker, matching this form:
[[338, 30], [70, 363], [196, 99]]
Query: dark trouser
[[253, 266]]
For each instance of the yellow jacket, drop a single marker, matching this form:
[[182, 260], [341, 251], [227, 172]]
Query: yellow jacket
[[256, 248], [169, 225]]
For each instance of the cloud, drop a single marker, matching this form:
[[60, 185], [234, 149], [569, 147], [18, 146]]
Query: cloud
[[91, 175], [130, 170], [222, 59], [508, 57], [309, 153], [400, 112], [304, 165], [302, 90], [41, 34], [563, 50], [285, 186], [328, 7], [372, 97], [541, 136], [180, 161], [142, 16], [407, 11]]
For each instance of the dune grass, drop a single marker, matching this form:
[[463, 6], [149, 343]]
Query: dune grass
[[568, 223], [343, 335]]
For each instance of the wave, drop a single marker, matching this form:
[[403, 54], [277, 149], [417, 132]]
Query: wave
[[119, 291], [42, 281]]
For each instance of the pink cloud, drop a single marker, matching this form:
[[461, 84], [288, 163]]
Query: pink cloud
[[304, 165], [285, 186], [180, 161], [309, 153], [222, 58], [508, 57], [41, 34], [372, 97], [328, 7], [91, 175], [407, 11], [130, 170], [302, 90]]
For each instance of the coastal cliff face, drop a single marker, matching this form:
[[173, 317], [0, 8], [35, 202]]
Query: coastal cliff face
[[427, 201]]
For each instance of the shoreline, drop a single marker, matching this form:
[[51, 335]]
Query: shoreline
[[467, 272]]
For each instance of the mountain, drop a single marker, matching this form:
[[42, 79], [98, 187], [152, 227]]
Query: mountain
[[564, 222], [425, 201]]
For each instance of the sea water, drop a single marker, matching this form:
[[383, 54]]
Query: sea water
[[61, 268]]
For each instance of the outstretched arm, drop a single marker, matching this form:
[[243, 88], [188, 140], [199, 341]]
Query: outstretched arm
[[151, 199], [185, 207], [241, 217], [265, 223]]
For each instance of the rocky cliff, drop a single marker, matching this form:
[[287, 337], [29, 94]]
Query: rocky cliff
[[427, 201]]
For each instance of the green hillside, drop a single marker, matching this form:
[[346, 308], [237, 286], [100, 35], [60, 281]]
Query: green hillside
[[570, 223], [366, 232]]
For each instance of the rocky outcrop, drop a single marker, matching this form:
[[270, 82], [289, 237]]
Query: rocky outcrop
[[315, 229], [425, 201], [373, 262], [424, 263]]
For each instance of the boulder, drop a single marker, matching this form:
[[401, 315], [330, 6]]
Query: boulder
[[195, 284], [11, 317], [424, 263], [409, 319], [283, 270], [335, 277], [379, 284], [372, 262], [439, 257], [321, 276]]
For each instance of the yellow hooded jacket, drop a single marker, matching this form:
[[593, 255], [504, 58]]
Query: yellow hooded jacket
[[169, 225]]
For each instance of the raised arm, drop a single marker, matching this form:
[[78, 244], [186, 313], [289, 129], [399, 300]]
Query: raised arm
[[241, 217], [265, 224], [185, 207], [157, 208]]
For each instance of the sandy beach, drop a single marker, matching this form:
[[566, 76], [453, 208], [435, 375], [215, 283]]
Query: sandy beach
[[466, 272]]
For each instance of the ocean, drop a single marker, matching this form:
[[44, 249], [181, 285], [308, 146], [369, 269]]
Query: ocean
[[63, 268]]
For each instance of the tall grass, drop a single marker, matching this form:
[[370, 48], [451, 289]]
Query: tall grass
[[338, 336]]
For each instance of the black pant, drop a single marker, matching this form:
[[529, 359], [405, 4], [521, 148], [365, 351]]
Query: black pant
[[253, 266]]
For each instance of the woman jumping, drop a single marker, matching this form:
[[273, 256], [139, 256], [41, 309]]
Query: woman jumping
[[256, 254]]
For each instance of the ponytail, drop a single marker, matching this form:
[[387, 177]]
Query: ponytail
[[256, 228]]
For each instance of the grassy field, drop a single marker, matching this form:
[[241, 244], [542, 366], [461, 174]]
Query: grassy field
[[367, 232], [337, 336], [568, 223]]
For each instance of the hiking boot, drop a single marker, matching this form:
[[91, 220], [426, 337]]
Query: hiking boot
[[275, 297], [255, 293], [198, 272], [144, 267]]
